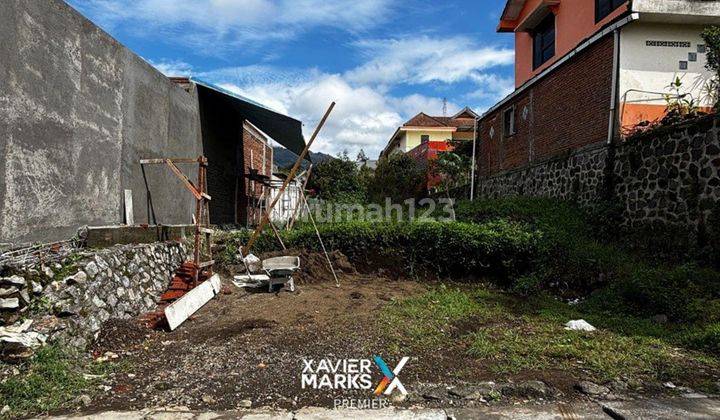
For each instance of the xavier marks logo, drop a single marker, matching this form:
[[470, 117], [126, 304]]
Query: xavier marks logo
[[391, 380], [352, 374]]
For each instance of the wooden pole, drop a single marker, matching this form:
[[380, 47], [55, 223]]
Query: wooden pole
[[291, 175], [277, 235]]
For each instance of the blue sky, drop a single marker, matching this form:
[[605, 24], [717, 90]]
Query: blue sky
[[383, 61]]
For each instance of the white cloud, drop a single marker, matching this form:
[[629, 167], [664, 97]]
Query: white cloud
[[172, 68], [369, 109], [491, 87], [363, 117], [217, 24], [424, 59]]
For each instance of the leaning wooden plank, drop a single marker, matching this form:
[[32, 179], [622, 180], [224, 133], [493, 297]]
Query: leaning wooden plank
[[183, 308]]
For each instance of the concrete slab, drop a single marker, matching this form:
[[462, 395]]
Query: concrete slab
[[315, 413], [575, 411], [678, 408]]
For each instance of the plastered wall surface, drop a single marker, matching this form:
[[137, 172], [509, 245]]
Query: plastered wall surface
[[650, 61], [77, 112]]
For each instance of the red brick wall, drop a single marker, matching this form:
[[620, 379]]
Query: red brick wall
[[252, 158], [567, 109]]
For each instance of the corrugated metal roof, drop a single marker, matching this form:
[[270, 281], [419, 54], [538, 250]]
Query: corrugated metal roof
[[283, 129], [233, 94]]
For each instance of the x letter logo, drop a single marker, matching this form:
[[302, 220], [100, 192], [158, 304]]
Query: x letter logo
[[390, 381]]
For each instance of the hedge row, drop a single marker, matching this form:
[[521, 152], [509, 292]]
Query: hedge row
[[500, 248]]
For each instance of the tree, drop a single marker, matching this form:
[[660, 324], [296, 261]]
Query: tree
[[711, 35], [362, 157], [453, 170], [338, 180], [397, 177]]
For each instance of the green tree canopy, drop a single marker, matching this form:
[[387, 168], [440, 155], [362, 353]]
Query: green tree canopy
[[398, 177], [338, 180]]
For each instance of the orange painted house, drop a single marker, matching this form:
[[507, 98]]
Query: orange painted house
[[587, 70]]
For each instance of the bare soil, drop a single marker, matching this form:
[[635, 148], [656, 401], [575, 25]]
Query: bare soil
[[250, 346]]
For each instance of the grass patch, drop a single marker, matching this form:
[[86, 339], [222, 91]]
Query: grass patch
[[51, 380], [512, 335]]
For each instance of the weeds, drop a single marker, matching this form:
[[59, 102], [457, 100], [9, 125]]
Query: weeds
[[510, 335], [51, 380]]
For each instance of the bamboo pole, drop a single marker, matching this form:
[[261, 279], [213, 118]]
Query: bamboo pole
[[291, 175], [322, 244]]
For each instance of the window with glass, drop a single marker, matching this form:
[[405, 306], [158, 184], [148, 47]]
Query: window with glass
[[544, 41], [509, 122], [603, 8]]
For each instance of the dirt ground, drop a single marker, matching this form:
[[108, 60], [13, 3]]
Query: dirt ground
[[250, 346], [247, 348]]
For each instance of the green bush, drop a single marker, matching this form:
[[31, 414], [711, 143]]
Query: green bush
[[705, 339], [500, 248], [571, 260], [398, 177], [685, 293], [338, 180]]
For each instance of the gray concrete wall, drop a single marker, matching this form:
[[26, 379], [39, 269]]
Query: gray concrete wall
[[77, 112]]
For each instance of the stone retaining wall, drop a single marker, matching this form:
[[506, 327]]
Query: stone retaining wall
[[667, 175], [575, 176], [69, 302], [670, 175]]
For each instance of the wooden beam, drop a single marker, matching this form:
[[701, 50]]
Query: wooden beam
[[190, 186], [291, 175], [206, 264], [277, 235], [174, 160]]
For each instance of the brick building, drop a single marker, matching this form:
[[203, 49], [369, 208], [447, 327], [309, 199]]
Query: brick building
[[586, 70], [257, 164], [237, 134]]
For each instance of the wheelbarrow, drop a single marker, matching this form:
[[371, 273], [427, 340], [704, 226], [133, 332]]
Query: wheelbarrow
[[277, 270]]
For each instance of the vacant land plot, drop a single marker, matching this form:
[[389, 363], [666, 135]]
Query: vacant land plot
[[247, 349]]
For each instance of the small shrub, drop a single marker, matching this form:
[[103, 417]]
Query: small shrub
[[684, 293], [705, 339]]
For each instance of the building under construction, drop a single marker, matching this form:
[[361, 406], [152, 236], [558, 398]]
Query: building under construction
[[78, 111]]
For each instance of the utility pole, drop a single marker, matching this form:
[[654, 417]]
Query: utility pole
[[472, 169]]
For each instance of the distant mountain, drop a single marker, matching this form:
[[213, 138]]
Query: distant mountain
[[286, 159]]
